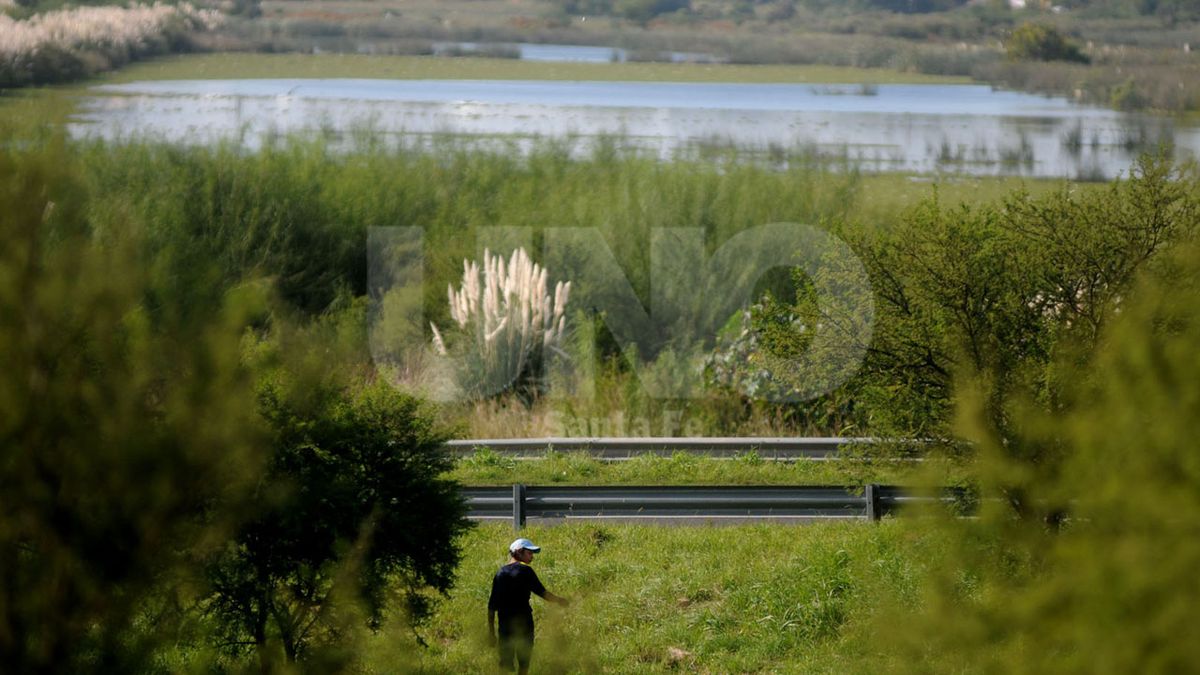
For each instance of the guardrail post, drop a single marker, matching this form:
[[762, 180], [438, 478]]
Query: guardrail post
[[874, 512], [518, 506]]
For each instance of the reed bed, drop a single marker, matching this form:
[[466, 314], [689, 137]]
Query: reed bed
[[72, 43]]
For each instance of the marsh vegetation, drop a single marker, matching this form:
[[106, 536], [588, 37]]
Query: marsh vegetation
[[210, 464]]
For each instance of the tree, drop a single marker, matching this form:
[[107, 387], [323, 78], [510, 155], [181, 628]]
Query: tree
[[1033, 41], [124, 416], [588, 7], [989, 303], [996, 303], [1107, 592], [156, 460], [351, 506], [644, 10]]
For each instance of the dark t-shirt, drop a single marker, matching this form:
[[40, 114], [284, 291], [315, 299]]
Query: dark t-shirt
[[511, 588]]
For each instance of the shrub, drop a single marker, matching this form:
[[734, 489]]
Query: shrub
[[1107, 590], [644, 10], [125, 415], [1125, 96], [351, 505], [58, 46], [1033, 41]]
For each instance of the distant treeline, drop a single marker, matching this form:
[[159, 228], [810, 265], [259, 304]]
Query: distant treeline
[[642, 10]]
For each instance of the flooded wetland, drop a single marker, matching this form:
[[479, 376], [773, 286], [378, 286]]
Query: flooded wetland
[[911, 128]]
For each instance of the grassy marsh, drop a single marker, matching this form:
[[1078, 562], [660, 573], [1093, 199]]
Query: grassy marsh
[[243, 65], [298, 214], [826, 598]]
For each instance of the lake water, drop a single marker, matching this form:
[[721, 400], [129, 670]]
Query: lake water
[[917, 128]]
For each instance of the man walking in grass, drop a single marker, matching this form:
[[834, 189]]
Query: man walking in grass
[[510, 601]]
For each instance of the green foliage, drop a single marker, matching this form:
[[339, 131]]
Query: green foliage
[[1126, 96], [1107, 589], [756, 360], [487, 467], [1003, 291], [179, 463], [298, 214], [654, 599], [1171, 11], [634, 10], [350, 509], [125, 415], [1174, 10], [1039, 42]]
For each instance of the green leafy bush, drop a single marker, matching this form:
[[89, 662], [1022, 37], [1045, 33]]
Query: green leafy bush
[[180, 461], [1038, 42], [1105, 585], [125, 415], [350, 509]]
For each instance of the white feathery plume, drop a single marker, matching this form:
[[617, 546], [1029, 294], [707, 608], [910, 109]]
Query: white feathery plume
[[114, 30], [508, 311], [438, 344]]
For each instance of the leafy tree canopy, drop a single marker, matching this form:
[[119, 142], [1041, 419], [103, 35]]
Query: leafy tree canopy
[[125, 414], [350, 519], [1038, 42]]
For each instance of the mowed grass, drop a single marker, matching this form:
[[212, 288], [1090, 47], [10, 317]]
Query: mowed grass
[[487, 467], [255, 66], [649, 599]]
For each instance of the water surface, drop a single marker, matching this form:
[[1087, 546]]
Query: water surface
[[920, 128]]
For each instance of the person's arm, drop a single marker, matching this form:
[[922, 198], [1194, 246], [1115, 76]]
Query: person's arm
[[535, 585], [556, 599]]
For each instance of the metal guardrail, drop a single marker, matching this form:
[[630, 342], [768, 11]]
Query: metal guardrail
[[626, 448], [519, 502]]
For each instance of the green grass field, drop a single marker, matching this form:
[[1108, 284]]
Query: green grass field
[[647, 599], [244, 65]]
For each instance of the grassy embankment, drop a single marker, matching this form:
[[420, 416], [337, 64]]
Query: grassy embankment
[[649, 599], [487, 467]]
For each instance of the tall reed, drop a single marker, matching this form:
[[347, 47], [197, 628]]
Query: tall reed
[[512, 323], [72, 43]]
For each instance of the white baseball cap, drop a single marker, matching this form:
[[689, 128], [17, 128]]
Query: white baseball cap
[[523, 544]]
